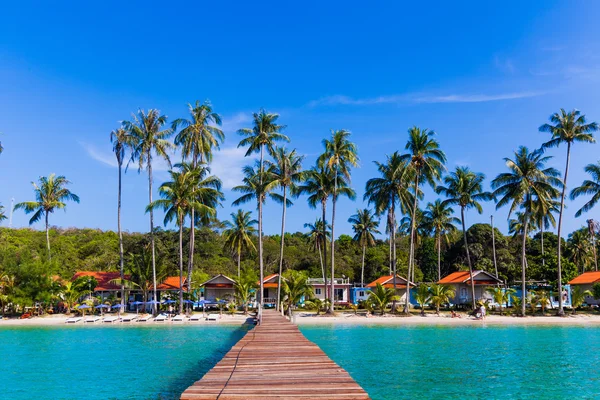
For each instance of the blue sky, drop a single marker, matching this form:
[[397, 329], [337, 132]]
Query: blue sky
[[484, 76]]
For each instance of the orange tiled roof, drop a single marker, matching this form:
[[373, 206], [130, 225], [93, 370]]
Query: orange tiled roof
[[387, 281], [171, 283], [270, 285], [464, 277], [455, 277], [267, 278], [103, 279], [586, 277]]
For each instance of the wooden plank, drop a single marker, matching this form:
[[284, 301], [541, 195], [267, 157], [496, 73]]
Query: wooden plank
[[275, 361]]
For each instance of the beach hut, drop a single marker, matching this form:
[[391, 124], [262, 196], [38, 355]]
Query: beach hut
[[359, 293], [270, 284], [341, 293], [586, 281], [387, 281], [105, 287], [461, 282], [218, 287]]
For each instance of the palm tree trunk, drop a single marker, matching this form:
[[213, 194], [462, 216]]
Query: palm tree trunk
[[412, 244], [180, 264], [542, 240], [239, 260], [494, 245], [324, 208], [439, 257], [47, 235], [321, 259], [281, 247], [390, 255], [523, 267], [462, 217], [121, 262], [260, 254], [154, 308], [561, 310], [362, 269], [393, 242], [333, 201], [192, 234]]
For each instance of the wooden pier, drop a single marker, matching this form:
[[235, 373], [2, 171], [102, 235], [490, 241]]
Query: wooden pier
[[275, 361]]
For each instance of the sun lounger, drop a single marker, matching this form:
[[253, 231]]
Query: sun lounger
[[110, 319], [145, 318], [92, 320], [179, 318], [196, 317], [73, 320], [129, 318], [161, 318], [212, 317]]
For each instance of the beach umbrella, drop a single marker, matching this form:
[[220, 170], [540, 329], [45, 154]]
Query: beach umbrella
[[203, 303], [101, 307], [119, 306], [153, 302], [83, 307], [188, 302], [169, 302], [136, 304]]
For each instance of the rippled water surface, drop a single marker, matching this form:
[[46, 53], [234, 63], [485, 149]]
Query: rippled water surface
[[123, 362], [467, 362]]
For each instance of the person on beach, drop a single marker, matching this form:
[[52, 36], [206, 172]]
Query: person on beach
[[482, 311]]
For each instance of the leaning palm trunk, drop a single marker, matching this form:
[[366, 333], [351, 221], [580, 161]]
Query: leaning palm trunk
[[439, 256], [412, 245], [321, 259], [362, 269], [180, 264], [154, 308], [523, 268], [561, 311], [462, 217], [393, 242], [542, 240], [121, 262], [334, 198], [47, 235], [494, 246], [324, 208], [281, 247]]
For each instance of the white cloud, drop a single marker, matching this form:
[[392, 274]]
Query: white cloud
[[234, 122], [106, 158], [227, 165], [415, 98]]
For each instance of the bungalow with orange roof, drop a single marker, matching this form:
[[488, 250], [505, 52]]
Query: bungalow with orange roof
[[105, 286], [219, 287], [387, 281], [341, 294], [586, 281], [460, 281], [270, 285], [171, 284]]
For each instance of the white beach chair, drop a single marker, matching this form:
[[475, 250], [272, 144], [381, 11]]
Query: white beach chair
[[91, 320], [110, 319], [196, 317], [129, 318], [145, 318], [212, 317], [179, 318], [73, 320], [161, 318]]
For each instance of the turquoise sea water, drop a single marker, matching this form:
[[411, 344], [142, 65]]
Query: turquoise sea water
[[467, 362], [159, 362]]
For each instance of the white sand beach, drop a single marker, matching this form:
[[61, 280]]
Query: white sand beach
[[56, 320]]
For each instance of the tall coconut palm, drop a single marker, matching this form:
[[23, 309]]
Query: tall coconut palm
[[121, 141], [340, 155], [318, 236], [427, 161], [318, 185], [528, 178], [590, 187], [256, 186], [464, 188], [566, 128], [543, 216], [2, 213], [180, 196], [364, 225], [149, 138], [388, 191], [238, 234], [198, 137], [439, 220], [593, 228], [50, 195], [579, 248], [287, 174]]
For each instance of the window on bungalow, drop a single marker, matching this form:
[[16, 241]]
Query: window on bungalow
[[317, 291], [361, 293]]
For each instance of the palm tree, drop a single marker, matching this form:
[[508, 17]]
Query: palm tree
[[316, 303], [318, 185], [287, 174], [422, 296], [197, 138], [243, 293], [121, 141], [427, 161], [516, 226], [386, 192], [2, 213], [256, 186], [439, 220], [578, 297], [529, 179], [541, 297], [180, 196], [590, 187], [238, 234], [295, 287], [566, 127], [319, 236], [440, 294], [364, 225], [593, 227], [579, 248], [464, 188], [543, 216], [50, 195], [340, 155], [381, 296], [149, 138]]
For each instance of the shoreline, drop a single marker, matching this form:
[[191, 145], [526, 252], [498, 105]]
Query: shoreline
[[340, 319]]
